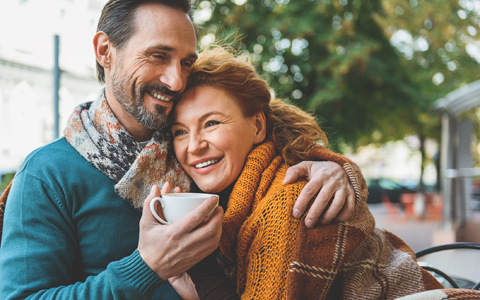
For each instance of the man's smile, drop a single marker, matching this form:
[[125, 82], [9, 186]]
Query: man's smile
[[161, 97]]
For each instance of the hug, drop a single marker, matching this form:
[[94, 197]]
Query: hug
[[291, 221]]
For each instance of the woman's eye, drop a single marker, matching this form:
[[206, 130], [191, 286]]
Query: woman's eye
[[211, 123], [178, 132]]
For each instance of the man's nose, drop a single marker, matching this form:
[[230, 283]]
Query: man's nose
[[172, 77]]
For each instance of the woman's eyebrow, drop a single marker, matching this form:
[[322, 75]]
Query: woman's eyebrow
[[208, 114], [202, 118]]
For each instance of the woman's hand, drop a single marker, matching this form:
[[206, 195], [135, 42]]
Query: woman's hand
[[184, 286], [331, 180]]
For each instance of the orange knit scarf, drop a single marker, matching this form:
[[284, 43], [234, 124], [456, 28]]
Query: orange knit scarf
[[277, 257]]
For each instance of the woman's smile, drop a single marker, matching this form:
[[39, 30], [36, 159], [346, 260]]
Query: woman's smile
[[207, 165]]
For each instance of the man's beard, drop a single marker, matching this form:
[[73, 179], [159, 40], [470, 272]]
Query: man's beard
[[133, 101]]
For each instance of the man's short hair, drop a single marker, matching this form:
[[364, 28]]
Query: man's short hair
[[117, 21]]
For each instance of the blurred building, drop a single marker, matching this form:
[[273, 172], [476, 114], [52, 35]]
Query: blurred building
[[460, 194], [26, 63]]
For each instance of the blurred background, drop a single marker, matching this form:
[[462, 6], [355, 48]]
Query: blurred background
[[394, 84]]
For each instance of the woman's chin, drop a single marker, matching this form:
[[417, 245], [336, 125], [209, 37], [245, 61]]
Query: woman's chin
[[211, 189]]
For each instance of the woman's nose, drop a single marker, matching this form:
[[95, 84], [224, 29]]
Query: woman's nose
[[172, 77], [197, 144]]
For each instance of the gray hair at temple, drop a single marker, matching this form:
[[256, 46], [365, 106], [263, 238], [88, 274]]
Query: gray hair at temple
[[117, 21]]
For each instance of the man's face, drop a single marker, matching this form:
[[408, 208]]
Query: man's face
[[151, 71]]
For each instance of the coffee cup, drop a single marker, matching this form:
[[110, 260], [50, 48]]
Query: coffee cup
[[177, 205]]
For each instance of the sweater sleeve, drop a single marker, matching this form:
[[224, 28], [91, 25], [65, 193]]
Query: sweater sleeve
[[38, 254]]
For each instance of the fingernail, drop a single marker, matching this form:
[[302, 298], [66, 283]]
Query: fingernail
[[323, 222], [152, 190], [296, 213], [164, 186], [175, 189], [309, 223], [286, 178]]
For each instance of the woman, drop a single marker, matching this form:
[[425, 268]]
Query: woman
[[234, 144]]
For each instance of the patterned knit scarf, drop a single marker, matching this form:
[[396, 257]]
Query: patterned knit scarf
[[94, 131]]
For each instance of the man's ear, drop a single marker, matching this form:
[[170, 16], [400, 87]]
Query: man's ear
[[103, 49], [261, 126]]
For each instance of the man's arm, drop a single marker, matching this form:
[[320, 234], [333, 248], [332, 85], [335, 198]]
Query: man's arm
[[335, 178], [39, 252]]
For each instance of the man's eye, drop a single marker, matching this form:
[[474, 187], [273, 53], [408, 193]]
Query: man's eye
[[159, 56], [187, 64]]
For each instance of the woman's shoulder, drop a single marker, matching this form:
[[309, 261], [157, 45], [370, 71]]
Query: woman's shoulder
[[276, 196]]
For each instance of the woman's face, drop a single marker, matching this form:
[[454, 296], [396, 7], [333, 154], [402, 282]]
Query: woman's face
[[212, 138]]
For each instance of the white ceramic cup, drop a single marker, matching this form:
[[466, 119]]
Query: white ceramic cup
[[177, 205]]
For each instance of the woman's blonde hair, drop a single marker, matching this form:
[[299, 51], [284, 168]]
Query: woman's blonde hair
[[293, 131]]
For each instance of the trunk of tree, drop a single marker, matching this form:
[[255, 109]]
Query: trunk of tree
[[421, 186]]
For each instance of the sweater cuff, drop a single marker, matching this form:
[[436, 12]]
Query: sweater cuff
[[139, 273]]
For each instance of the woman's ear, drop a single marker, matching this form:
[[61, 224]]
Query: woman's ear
[[261, 127], [103, 49]]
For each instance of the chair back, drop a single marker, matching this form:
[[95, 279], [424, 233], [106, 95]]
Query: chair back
[[455, 265]]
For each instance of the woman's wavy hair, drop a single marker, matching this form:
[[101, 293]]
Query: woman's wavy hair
[[293, 131]]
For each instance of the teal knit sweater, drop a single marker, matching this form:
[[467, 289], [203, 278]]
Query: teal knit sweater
[[68, 235]]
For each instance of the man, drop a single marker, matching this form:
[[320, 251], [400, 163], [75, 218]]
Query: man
[[71, 219]]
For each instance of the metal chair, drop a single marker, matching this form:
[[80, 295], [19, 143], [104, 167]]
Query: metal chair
[[452, 280]]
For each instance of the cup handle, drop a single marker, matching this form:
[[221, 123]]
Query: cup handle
[[154, 212]]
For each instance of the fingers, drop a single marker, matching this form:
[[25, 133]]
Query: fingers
[[196, 217], [335, 207], [318, 206], [308, 192], [147, 215], [165, 188], [347, 210], [296, 171]]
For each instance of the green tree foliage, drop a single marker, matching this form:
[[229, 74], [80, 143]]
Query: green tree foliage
[[369, 69], [439, 49], [331, 57]]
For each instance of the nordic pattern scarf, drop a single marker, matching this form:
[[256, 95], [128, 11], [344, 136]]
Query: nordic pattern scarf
[[94, 131]]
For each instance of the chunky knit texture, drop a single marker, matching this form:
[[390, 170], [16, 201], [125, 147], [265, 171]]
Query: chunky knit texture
[[277, 257], [95, 132]]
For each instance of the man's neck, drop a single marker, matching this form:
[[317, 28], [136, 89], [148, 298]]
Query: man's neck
[[139, 132]]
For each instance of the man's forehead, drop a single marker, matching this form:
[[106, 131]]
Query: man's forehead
[[162, 26]]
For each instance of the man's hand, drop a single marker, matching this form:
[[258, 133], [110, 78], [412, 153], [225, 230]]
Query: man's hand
[[331, 180], [170, 250]]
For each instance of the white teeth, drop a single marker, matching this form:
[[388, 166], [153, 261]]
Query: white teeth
[[207, 163], [160, 97]]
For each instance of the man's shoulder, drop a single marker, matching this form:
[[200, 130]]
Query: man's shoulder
[[58, 155]]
